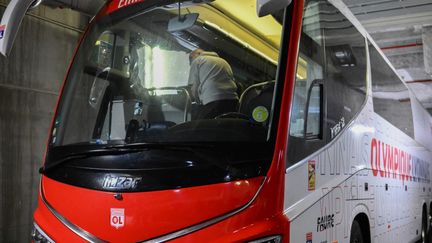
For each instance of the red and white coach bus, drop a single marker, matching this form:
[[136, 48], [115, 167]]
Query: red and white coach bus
[[327, 145]]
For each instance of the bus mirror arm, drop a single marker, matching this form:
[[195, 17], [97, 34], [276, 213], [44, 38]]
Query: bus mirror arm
[[16, 10], [266, 7], [11, 21], [320, 84], [98, 87]]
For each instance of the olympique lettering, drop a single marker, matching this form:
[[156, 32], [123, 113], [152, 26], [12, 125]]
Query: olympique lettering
[[391, 162]]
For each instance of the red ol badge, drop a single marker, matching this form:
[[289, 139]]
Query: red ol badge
[[117, 218]]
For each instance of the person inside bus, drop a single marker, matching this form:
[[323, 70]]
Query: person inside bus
[[213, 85]]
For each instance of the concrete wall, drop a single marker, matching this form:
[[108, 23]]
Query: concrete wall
[[29, 83], [427, 48]]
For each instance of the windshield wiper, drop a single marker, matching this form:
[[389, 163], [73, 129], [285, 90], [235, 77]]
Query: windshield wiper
[[123, 149], [81, 155], [167, 146]]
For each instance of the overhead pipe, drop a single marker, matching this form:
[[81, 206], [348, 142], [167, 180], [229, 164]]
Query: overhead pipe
[[419, 81], [401, 46]]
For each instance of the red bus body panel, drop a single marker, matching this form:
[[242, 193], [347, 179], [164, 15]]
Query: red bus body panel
[[147, 214], [118, 4], [152, 214]]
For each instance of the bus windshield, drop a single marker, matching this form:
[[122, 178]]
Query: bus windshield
[[185, 98], [204, 75]]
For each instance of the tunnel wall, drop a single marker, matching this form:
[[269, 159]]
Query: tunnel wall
[[30, 80]]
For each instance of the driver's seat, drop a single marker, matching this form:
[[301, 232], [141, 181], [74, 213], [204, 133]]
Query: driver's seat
[[256, 101]]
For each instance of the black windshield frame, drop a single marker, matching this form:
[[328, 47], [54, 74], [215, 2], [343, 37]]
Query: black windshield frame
[[54, 153]]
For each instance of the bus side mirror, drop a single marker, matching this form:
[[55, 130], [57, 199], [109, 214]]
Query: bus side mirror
[[314, 116], [11, 22], [266, 7]]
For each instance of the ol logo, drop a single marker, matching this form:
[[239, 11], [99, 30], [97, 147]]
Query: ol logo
[[117, 218]]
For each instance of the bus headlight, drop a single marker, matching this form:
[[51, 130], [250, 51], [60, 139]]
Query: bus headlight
[[270, 239], [38, 236]]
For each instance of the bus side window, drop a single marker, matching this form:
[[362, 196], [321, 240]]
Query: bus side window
[[330, 88], [391, 98]]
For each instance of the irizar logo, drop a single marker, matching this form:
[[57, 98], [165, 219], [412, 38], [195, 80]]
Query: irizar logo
[[117, 218], [121, 182]]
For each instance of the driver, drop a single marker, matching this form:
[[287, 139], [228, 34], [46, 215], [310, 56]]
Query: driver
[[213, 85]]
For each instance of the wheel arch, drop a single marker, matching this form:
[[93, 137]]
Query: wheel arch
[[363, 220], [361, 215]]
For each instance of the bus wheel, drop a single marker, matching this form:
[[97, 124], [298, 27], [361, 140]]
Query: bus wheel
[[356, 233], [429, 232], [424, 227]]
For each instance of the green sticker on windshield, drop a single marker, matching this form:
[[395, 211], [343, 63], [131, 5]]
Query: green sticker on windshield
[[260, 114]]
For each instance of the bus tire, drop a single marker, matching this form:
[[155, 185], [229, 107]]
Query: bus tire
[[424, 229], [356, 233], [429, 232], [429, 235]]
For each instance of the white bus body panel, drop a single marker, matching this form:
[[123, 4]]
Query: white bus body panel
[[344, 167]]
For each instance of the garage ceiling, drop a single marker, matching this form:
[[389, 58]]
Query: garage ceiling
[[403, 30]]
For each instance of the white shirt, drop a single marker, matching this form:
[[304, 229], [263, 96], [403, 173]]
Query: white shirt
[[212, 79]]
